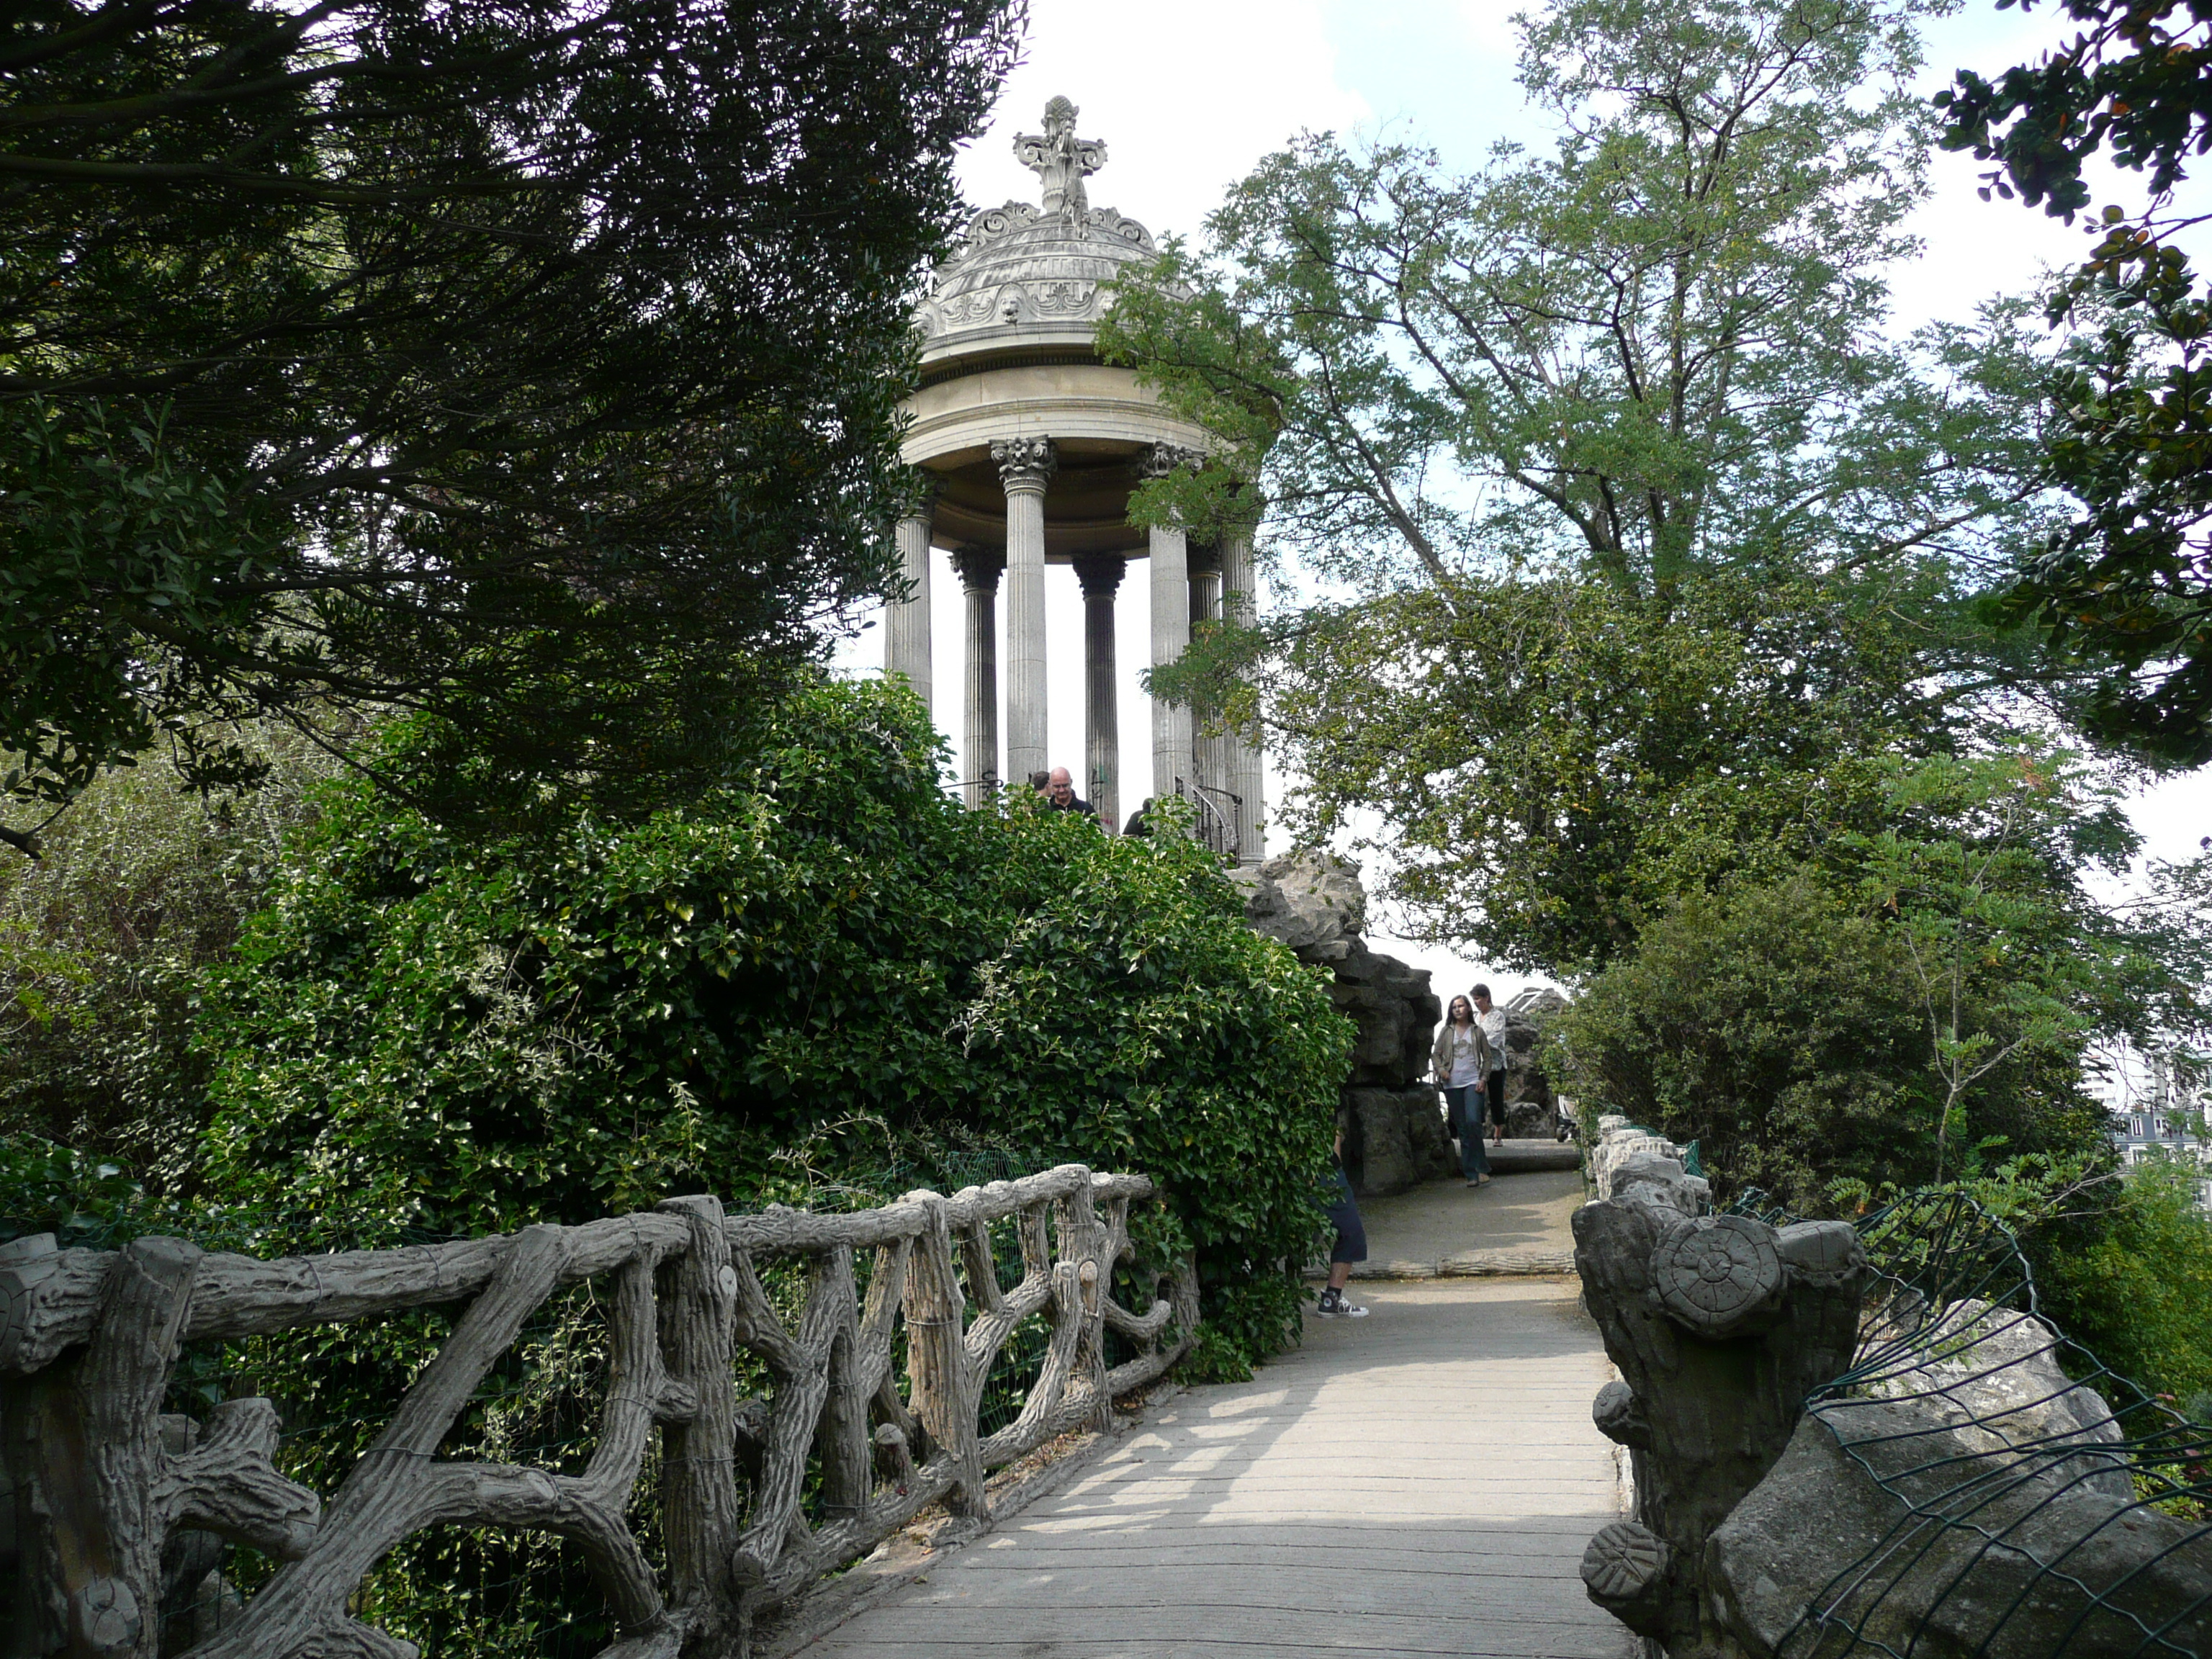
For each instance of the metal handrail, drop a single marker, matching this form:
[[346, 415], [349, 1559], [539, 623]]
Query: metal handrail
[[1217, 828]]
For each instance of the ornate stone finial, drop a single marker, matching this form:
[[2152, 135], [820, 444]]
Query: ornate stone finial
[[1062, 161], [1163, 458], [1024, 463]]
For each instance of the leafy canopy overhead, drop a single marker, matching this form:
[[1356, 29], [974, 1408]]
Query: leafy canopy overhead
[[1654, 348], [2125, 587], [534, 362]]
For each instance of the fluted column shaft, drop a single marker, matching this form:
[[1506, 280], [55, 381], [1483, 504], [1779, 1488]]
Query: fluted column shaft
[[1101, 577], [1171, 583], [1210, 753], [1247, 762], [1024, 466], [906, 622], [979, 569], [1172, 761]]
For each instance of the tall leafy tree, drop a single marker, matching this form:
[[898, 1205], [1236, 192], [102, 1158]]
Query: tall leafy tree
[[2126, 586], [1656, 532], [534, 363], [1656, 348]]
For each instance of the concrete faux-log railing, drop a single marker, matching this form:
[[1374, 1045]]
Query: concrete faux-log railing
[[107, 1484]]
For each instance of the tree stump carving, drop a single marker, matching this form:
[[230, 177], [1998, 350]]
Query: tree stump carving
[[1720, 1327]]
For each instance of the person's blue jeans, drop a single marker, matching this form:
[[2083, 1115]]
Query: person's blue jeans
[[1463, 1116]]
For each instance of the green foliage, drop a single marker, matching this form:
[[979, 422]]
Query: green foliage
[[1553, 761], [1979, 876], [1772, 1026], [84, 1201], [2136, 1287], [532, 362], [1785, 1032], [2126, 589], [792, 984], [106, 941], [1653, 350]]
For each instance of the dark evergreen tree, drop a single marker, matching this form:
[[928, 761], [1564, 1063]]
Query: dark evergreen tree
[[532, 363]]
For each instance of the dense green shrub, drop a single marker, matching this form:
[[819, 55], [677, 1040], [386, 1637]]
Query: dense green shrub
[[1785, 1034], [2132, 1280], [786, 987], [104, 944]]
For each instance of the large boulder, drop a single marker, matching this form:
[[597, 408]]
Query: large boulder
[[1311, 901], [1532, 1110], [1398, 1136], [1976, 1506], [1393, 1132]]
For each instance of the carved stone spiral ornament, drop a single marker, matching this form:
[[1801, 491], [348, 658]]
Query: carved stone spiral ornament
[[1715, 1275], [1625, 1562]]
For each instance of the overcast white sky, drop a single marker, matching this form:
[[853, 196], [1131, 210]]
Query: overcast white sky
[[1189, 96]]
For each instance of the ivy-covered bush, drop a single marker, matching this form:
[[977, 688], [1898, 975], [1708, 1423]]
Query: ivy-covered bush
[[782, 992]]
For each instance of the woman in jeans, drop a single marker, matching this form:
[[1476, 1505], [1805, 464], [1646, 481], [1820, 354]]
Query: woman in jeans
[[1462, 1063]]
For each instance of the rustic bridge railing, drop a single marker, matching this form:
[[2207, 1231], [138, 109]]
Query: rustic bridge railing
[[106, 1483]]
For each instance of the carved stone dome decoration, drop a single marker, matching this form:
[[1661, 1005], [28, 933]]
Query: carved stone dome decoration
[[1716, 1275], [1031, 446], [1025, 275]]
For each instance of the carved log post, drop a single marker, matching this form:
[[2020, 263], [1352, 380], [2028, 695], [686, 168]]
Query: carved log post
[[1721, 1327], [1084, 1241], [842, 1439], [90, 1458], [700, 1509], [937, 1358]]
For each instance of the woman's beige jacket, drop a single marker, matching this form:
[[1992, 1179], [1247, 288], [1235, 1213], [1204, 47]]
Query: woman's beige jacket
[[1441, 1059]]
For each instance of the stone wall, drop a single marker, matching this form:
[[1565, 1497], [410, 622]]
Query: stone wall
[[1393, 1123]]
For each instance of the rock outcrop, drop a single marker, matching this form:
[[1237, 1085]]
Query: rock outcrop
[[1961, 1496], [1532, 1110], [1393, 1132]]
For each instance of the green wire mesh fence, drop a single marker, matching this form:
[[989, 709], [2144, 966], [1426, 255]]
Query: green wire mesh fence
[[2062, 1503]]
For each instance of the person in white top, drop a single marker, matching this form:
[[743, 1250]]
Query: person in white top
[[1462, 1063], [1493, 1022]]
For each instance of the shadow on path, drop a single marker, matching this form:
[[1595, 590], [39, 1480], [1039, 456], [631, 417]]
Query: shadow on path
[[1421, 1481]]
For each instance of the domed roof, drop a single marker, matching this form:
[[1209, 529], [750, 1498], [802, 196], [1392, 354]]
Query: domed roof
[[1027, 281]]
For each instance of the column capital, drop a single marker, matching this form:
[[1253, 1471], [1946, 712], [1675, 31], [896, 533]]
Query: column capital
[[1024, 463], [1101, 573], [979, 567], [1163, 458], [1205, 558]]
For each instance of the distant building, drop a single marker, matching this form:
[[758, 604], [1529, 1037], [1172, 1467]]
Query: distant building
[[2165, 1118]]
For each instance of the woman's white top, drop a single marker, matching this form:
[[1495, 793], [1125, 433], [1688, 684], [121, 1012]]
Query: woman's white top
[[1466, 1058], [1493, 1027]]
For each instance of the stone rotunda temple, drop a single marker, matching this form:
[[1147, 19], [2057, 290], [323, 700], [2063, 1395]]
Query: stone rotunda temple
[[1034, 446]]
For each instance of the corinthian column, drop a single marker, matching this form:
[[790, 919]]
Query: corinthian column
[[979, 569], [1247, 762], [1172, 763], [1024, 465], [906, 622], [1101, 576]]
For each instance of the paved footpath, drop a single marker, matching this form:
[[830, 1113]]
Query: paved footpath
[[1421, 1481]]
